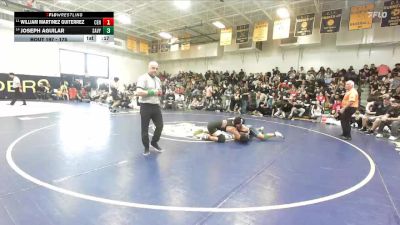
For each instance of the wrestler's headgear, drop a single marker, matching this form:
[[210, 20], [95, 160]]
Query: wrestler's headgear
[[238, 120]]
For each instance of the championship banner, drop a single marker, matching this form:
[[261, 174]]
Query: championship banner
[[304, 25], [260, 32], [391, 12], [154, 47], [185, 46], [242, 34], [361, 17], [281, 29], [144, 47], [226, 37], [131, 44], [164, 47], [174, 47], [330, 21]]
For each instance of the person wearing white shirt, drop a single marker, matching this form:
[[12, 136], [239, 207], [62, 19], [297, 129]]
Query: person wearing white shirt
[[180, 101], [16, 86], [149, 89]]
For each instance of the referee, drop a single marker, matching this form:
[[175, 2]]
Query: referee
[[149, 90], [349, 107], [16, 85]]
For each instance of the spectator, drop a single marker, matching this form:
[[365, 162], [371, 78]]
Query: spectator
[[375, 110], [383, 71], [297, 109], [392, 118], [170, 100]]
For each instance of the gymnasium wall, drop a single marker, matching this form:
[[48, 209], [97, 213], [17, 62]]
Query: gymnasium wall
[[324, 54], [42, 59]]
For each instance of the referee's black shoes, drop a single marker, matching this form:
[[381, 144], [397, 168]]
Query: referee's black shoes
[[156, 147], [345, 138]]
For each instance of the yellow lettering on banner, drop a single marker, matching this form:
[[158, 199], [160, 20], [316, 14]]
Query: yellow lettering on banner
[[391, 7], [9, 86], [363, 8], [26, 86], [328, 17], [2, 86]]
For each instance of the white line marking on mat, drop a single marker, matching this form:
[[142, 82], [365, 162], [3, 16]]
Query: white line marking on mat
[[44, 184]]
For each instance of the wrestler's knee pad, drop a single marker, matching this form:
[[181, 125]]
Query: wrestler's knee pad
[[254, 132]]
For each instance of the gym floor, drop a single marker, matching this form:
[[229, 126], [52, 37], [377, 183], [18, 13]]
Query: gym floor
[[80, 164]]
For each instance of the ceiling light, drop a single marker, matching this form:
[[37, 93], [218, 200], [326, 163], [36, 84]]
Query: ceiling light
[[124, 18], [282, 13], [182, 4], [173, 40], [165, 35], [219, 24]]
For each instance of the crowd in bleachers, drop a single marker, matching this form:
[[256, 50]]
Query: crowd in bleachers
[[305, 94]]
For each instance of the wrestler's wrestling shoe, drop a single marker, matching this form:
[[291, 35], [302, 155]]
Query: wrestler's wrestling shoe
[[279, 134]]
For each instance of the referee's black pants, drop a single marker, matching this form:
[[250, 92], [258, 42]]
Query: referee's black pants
[[151, 112], [17, 95], [345, 121]]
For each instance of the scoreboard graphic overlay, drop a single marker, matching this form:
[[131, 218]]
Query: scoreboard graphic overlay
[[64, 26]]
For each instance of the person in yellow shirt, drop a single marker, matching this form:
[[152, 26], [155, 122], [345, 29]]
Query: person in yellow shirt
[[350, 105]]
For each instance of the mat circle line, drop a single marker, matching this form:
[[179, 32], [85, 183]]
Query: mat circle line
[[44, 184]]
